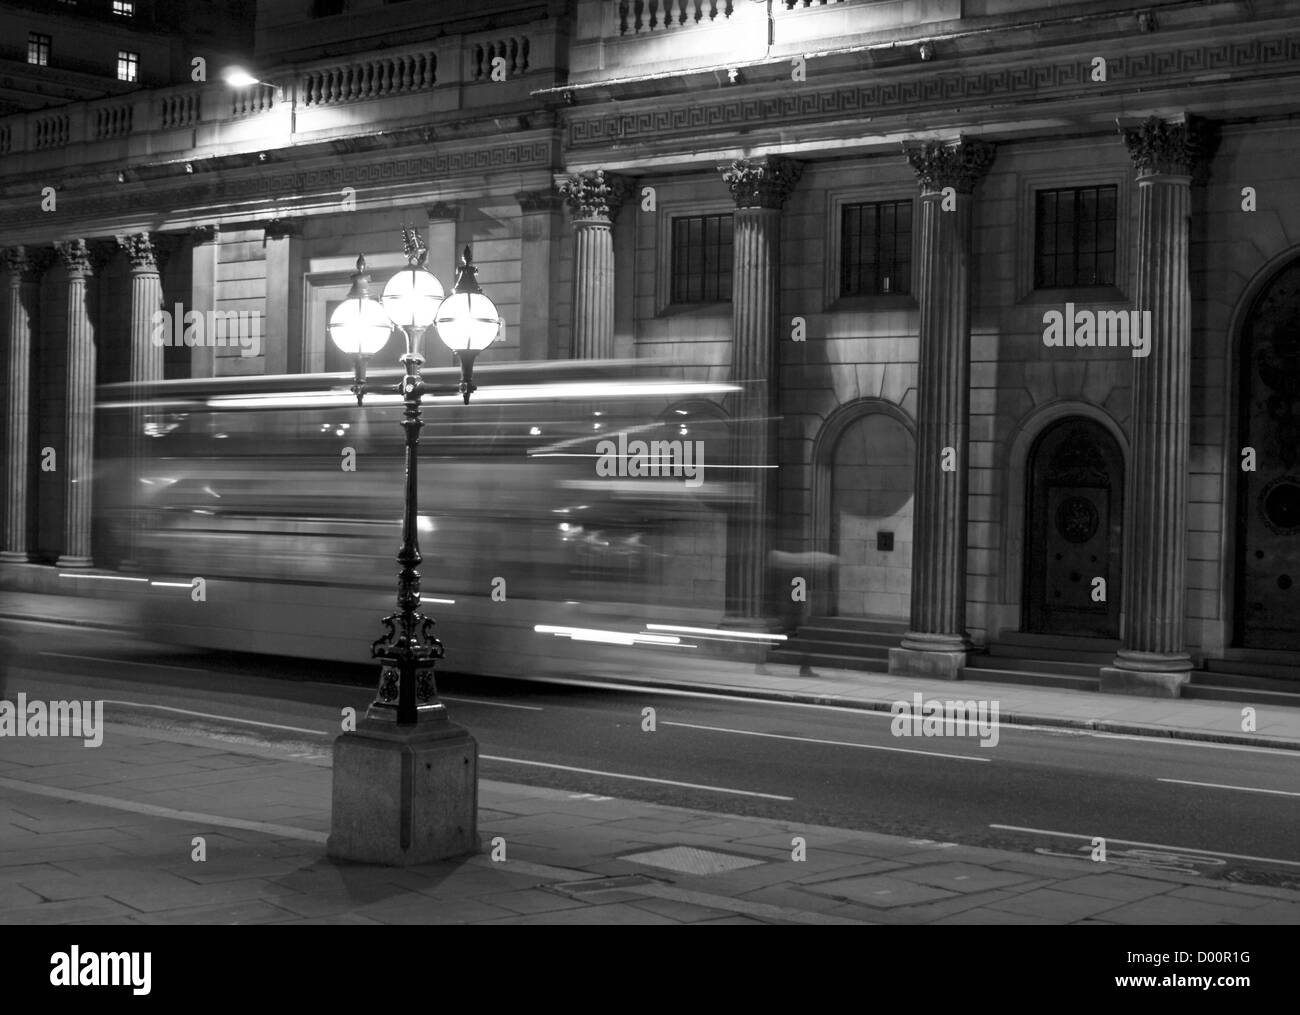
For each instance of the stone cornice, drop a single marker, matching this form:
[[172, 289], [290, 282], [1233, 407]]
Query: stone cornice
[[594, 195], [762, 183], [313, 189], [1166, 147], [907, 91], [958, 164]]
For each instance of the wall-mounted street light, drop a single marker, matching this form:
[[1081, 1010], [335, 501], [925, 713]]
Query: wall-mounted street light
[[237, 77], [427, 810]]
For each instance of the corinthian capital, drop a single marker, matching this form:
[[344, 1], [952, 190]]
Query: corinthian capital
[[76, 256], [762, 183], [140, 250], [1161, 146], [594, 195], [958, 164]]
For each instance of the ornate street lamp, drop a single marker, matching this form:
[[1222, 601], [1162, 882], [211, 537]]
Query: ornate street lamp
[[406, 735], [467, 322]]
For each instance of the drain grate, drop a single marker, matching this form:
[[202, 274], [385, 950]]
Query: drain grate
[[624, 883], [689, 860]]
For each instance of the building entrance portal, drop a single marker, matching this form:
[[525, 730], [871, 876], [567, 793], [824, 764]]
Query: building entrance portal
[[1074, 518], [1268, 496], [871, 518]]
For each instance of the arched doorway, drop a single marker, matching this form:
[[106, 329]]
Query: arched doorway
[[871, 517], [1074, 513], [1268, 498]]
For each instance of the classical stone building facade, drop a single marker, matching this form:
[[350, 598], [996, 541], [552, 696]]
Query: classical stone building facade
[[1010, 284]]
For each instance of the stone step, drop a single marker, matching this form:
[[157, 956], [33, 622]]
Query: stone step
[[1243, 695], [1031, 678], [829, 660], [1052, 666], [1244, 681], [1004, 650], [1253, 668], [867, 625], [844, 636]]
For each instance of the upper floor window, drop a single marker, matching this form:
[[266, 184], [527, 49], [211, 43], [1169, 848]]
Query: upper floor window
[[38, 49], [128, 66], [1074, 237], [124, 7], [702, 252], [876, 249], [326, 8]]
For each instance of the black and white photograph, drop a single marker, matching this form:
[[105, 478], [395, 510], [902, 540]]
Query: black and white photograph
[[790, 463]]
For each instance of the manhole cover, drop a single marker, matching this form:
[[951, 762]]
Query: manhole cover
[[688, 860]]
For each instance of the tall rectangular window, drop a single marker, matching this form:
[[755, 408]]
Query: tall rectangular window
[[876, 249], [124, 8], [1074, 237], [128, 66], [38, 49], [702, 252]]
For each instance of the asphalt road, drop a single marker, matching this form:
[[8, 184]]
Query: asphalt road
[[1226, 811]]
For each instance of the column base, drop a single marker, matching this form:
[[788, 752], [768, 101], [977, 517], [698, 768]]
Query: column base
[[404, 795], [1151, 674], [75, 562], [13, 557], [930, 655], [747, 650]]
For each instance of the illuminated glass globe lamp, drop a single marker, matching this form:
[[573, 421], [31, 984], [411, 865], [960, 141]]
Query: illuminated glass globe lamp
[[412, 296], [359, 326], [468, 322]]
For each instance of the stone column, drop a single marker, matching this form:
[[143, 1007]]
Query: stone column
[[760, 188], [936, 642], [203, 293], [594, 198], [1153, 658], [537, 250], [78, 463], [23, 268], [146, 367]]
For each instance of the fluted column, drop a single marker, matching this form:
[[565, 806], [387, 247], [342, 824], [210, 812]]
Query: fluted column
[[78, 463], [594, 198], [760, 188], [1153, 658], [146, 367], [23, 268], [936, 641]]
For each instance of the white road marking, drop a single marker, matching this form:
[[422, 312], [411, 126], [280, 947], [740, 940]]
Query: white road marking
[[1149, 845], [674, 692], [830, 743], [209, 715], [1220, 785], [125, 662], [217, 820], [638, 778], [495, 704]]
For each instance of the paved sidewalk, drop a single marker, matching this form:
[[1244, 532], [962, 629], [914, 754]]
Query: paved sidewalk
[[1216, 721], [108, 835]]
